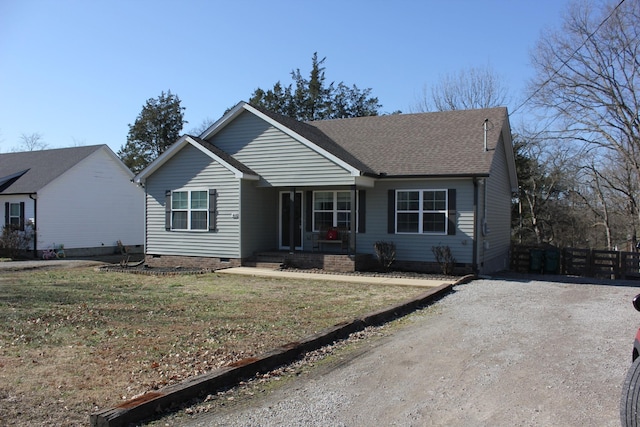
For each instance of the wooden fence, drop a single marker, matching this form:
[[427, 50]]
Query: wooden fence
[[576, 262]]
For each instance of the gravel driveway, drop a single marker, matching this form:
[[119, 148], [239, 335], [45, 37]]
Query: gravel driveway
[[513, 352]]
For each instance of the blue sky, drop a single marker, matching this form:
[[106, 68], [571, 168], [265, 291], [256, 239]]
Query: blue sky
[[79, 71]]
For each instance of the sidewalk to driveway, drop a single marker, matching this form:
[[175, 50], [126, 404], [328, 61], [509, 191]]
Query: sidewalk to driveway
[[264, 272], [247, 271]]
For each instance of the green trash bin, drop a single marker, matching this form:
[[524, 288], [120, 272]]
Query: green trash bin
[[552, 261], [536, 260]]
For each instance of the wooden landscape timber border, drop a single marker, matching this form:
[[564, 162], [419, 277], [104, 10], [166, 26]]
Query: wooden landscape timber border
[[577, 262], [154, 403]]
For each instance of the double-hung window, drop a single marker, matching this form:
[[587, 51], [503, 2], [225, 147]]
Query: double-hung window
[[331, 209], [15, 214], [421, 211], [190, 210]]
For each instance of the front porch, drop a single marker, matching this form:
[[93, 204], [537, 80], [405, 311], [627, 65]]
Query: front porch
[[339, 263]]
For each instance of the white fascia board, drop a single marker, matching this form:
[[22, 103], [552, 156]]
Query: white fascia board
[[237, 173], [222, 122], [175, 148], [160, 160], [353, 171]]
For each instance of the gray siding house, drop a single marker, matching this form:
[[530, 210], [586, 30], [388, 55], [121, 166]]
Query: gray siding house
[[256, 181]]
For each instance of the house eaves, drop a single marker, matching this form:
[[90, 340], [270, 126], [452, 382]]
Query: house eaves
[[434, 176]]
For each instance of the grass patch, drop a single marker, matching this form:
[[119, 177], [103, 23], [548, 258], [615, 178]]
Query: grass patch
[[77, 340]]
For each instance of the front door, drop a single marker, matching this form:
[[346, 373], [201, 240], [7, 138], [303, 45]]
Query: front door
[[285, 218]]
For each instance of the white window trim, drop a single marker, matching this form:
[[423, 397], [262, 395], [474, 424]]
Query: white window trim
[[188, 210], [335, 208], [421, 211]]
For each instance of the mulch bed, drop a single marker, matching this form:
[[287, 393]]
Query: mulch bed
[[159, 271]]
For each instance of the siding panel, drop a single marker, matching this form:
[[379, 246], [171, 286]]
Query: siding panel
[[280, 160], [259, 217], [91, 205], [495, 256], [417, 247], [191, 169]]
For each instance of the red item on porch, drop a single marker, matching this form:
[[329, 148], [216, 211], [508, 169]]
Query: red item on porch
[[332, 234]]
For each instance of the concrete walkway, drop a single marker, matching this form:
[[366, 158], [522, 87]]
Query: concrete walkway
[[337, 277], [246, 271]]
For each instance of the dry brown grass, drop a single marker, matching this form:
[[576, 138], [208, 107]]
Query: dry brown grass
[[74, 341]]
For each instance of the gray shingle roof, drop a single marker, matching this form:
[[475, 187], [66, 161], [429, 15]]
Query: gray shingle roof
[[36, 169], [447, 143]]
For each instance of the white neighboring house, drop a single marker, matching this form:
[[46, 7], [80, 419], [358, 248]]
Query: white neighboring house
[[79, 197]]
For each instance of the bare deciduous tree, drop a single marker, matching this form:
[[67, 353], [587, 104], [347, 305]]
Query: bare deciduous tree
[[31, 142], [475, 87], [588, 75], [545, 175], [621, 190], [204, 125]]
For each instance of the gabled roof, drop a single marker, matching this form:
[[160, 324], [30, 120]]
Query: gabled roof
[[439, 144], [29, 171], [449, 143]]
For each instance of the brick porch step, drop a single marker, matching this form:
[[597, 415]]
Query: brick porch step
[[260, 264], [270, 260]]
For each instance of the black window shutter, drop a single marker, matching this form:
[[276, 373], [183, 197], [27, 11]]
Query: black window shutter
[[391, 212], [6, 214], [167, 210], [213, 209], [451, 230], [362, 211], [309, 210], [21, 216]]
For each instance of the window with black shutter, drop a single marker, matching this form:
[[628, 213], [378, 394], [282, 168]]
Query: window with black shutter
[[416, 211], [191, 210]]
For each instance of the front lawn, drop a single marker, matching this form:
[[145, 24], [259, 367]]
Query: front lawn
[[78, 340]]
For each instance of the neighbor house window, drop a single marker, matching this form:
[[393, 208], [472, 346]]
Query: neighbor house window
[[331, 209], [421, 211], [15, 214], [190, 210]]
